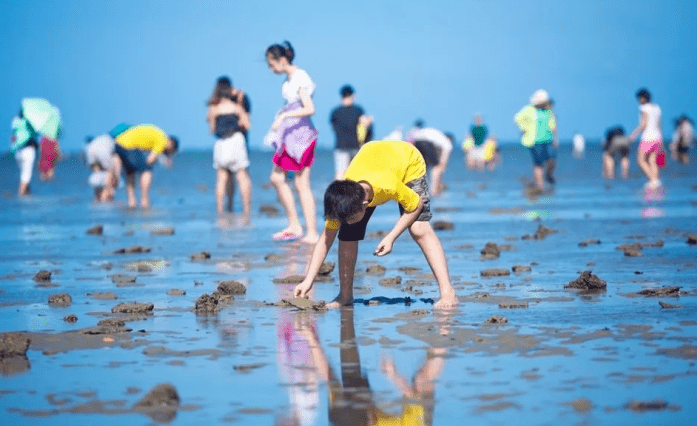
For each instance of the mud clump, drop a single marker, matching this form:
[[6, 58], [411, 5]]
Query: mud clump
[[495, 272], [375, 270], [107, 326], [303, 304], [513, 305], [273, 257], [60, 299], [122, 278], [692, 239], [582, 405], [521, 268], [176, 292], [109, 295], [490, 251], [162, 231], [442, 225], [391, 282], [496, 319], [643, 406], [13, 345], [664, 291], [589, 243], [231, 288], [132, 249], [70, 318], [269, 210], [96, 230], [160, 404], [290, 279], [588, 281], [204, 255], [133, 308], [326, 268], [665, 305], [541, 233], [42, 276]]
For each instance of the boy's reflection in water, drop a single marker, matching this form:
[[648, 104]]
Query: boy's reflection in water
[[350, 399]]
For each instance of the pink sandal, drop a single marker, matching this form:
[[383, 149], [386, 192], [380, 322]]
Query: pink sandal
[[286, 236]]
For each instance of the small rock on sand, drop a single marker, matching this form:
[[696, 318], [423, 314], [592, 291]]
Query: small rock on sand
[[442, 225], [70, 318], [269, 210], [121, 278], [162, 231], [176, 292], [495, 272], [664, 291], [133, 308], [60, 299], [490, 251], [160, 403], [133, 249], [13, 344], [375, 270], [588, 281], [96, 230], [326, 268], [496, 319], [391, 282], [232, 287], [200, 256], [521, 268], [589, 243], [541, 233], [42, 275]]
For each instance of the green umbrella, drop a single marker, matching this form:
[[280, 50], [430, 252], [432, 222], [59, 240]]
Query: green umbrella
[[43, 117]]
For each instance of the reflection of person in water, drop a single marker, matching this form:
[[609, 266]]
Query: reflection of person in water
[[350, 399]]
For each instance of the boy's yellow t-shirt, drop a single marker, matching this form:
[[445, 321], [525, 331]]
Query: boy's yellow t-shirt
[[387, 166], [145, 137]]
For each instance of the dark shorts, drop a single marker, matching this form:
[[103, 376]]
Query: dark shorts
[[429, 151], [540, 153], [356, 231], [133, 160]]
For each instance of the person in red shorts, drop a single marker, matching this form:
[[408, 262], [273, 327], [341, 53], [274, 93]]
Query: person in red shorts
[[50, 153]]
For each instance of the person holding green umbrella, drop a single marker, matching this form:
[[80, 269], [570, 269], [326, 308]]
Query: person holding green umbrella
[[46, 120]]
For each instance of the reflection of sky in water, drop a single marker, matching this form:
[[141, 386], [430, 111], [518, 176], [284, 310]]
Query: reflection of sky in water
[[48, 232]]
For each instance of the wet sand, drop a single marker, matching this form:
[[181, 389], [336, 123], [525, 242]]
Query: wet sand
[[175, 316]]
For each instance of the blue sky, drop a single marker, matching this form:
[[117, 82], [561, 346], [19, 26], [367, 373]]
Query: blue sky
[[156, 61]]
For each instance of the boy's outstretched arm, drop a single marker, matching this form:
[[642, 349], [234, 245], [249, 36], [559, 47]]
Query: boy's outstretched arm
[[404, 222], [319, 253]]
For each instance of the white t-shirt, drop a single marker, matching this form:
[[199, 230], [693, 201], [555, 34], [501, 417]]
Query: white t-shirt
[[434, 136], [291, 87], [652, 132]]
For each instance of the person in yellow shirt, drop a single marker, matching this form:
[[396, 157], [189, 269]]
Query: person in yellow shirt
[[380, 172], [137, 148]]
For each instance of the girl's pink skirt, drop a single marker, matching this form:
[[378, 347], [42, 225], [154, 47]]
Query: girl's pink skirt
[[289, 164], [49, 154]]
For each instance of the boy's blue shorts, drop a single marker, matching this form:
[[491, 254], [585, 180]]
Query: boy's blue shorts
[[134, 160]]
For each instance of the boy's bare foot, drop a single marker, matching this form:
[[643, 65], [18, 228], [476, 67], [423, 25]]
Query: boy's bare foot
[[310, 239], [339, 302], [447, 302]]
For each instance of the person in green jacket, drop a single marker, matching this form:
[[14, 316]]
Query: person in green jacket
[[539, 126]]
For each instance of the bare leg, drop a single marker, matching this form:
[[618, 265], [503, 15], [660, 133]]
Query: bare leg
[[221, 189], [647, 163], [245, 184], [624, 165], [230, 190], [348, 251], [436, 175], [430, 245], [608, 166], [538, 173], [23, 189], [145, 182], [551, 165], [285, 197], [131, 190], [307, 201]]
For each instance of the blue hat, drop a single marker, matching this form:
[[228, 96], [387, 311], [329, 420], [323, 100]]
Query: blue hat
[[119, 129]]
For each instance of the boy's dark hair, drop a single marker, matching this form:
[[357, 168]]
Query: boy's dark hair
[[643, 93], [175, 145], [343, 199], [346, 91]]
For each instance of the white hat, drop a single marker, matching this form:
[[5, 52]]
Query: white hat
[[539, 97]]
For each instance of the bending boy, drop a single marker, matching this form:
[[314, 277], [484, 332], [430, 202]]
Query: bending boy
[[137, 149], [380, 172]]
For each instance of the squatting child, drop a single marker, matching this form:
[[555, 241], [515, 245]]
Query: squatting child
[[380, 172]]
